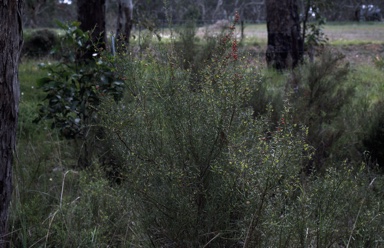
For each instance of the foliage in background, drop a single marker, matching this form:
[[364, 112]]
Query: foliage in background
[[39, 43], [315, 38], [195, 53], [313, 22]]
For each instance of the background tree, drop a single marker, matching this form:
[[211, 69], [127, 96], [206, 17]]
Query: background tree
[[39, 13], [285, 43], [124, 20], [91, 15], [38, 8], [10, 43]]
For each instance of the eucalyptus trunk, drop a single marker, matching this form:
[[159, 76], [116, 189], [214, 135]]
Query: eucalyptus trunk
[[124, 20], [10, 46], [91, 15], [285, 42]]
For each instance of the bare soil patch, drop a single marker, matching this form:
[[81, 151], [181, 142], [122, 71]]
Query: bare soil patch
[[361, 54]]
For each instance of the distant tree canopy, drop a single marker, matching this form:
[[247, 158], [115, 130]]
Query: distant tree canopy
[[44, 13], [39, 13]]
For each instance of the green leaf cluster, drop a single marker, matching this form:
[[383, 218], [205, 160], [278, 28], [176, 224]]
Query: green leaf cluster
[[75, 85]]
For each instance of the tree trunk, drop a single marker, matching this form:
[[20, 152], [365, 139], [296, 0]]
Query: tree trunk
[[285, 43], [10, 43], [124, 20], [91, 15]]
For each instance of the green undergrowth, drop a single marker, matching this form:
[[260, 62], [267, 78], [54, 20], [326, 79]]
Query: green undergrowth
[[207, 150], [30, 96]]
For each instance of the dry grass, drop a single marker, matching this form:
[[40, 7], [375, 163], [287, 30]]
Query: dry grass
[[340, 33], [359, 42]]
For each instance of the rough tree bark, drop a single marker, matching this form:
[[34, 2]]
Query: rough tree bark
[[285, 42], [10, 46], [124, 20]]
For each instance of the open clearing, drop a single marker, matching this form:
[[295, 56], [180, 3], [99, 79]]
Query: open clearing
[[359, 42], [338, 33]]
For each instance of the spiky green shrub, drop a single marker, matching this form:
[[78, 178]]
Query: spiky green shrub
[[175, 139], [363, 116], [198, 164], [193, 52], [269, 94], [203, 170], [319, 92]]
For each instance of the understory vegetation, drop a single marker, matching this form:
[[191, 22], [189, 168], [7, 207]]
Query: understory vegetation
[[194, 143]]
